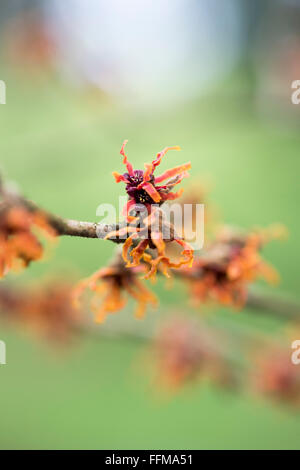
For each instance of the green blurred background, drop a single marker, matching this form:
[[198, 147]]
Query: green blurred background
[[60, 144]]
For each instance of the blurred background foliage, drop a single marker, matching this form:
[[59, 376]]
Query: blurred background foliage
[[60, 135]]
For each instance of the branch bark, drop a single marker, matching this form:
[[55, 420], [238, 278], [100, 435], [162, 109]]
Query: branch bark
[[276, 305], [73, 228]]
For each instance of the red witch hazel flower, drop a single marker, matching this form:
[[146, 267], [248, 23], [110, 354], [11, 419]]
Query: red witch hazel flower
[[152, 231], [143, 187]]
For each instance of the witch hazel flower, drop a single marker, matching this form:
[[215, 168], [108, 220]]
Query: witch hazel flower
[[19, 240], [144, 188], [151, 232], [223, 273], [111, 287]]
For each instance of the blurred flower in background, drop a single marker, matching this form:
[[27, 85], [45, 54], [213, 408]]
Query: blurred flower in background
[[276, 377], [277, 60], [186, 350], [44, 309]]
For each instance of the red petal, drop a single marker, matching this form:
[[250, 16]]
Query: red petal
[[127, 208], [159, 156], [125, 161]]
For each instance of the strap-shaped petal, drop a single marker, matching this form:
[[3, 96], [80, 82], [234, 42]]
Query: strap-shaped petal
[[159, 156], [121, 233], [148, 172], [119, 177], [125, 160], [150, 189], [172, 172], [127, 208], [171, 196], [137, 253], [173, 181]]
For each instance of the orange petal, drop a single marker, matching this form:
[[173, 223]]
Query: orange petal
[[153, 269], [188, 252], [78, 291], [143, 296], [119, 177], [171, 196], [120, 233], [149, 170], [174, 181], [172, 172], [269, 273], [150, 189], [158, 241], [126, 247], [137, 253]]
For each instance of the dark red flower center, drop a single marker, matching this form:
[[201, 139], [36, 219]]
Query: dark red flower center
[[139, 195]]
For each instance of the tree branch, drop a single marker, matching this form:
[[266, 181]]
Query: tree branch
[[284, 308], [278, 306], [73, 228]]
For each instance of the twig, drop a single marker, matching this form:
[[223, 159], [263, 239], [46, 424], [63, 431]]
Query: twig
[[73, 228], [278, 306], [284, 308]]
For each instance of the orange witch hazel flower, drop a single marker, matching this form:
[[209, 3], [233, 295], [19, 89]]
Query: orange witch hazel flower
[[19, 244], [110, 286], [152, 236], [180, 354], [276, 377], [186, 351], [44, 309], [224, 271]]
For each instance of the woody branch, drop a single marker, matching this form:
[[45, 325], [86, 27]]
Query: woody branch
[[284, 308]]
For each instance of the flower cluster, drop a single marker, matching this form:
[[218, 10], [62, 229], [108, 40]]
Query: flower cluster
[[19, 244], [111, 287], [276, 377], [149, 230], [144, 188], [153, 233], [231, 262], [46, 310], [185, 352]]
